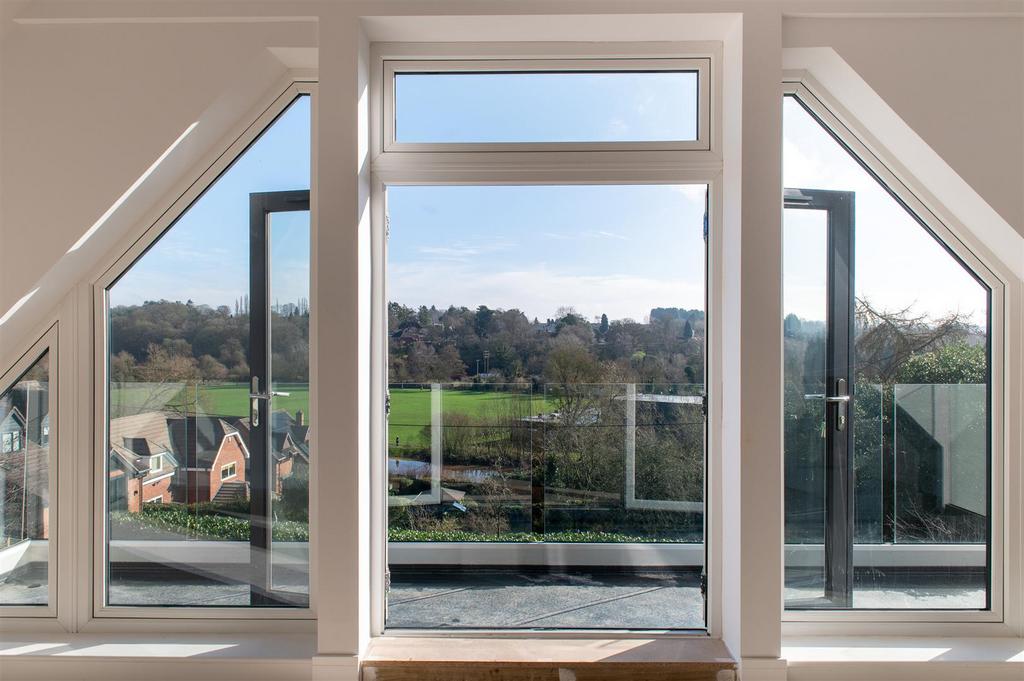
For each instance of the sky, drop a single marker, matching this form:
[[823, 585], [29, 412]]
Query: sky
[[204, 256], [546, 107], [898, 264], [616, 250]]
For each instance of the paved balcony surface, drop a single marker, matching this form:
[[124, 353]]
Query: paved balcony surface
[[578, 599]]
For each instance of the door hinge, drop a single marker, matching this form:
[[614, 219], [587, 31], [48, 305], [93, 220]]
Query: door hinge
[[704, 405], [703, 585], [387, 228], [387, 404], [387, 582]]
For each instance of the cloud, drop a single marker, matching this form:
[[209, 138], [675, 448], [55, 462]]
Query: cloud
[[539, 292]]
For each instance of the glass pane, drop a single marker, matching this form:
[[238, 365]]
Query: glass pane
[[610, 106], [921, 389], [805, 306], [546, 368], [289, 424], [25, 433], [179, 464]]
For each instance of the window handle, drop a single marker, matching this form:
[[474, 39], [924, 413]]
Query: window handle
[[254, 400]]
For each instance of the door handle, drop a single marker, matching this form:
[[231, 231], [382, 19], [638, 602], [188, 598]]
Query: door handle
[[254, 400], [841, 399]]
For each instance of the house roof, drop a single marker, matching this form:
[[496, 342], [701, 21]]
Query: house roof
[[189, 440], [197, 439]]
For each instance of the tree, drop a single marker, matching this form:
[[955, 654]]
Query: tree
[[687, 330], [604, 324], [212, 370], [886, 340], [954, 363], [482, 321]]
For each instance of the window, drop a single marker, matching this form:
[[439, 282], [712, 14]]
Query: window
[[25, 520], [545, 441], [888, 394], [660, 103], [208, 361]]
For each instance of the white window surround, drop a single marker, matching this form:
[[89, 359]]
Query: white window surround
[[1005, 616], [47, 344], [607, 163]]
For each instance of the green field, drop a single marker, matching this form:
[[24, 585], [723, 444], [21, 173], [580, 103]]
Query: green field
[[410, 409], [225, 399]]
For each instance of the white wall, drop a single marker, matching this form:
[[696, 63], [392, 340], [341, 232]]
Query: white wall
[[959, 83]]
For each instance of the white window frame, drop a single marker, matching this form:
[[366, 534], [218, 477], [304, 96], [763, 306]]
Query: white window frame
[[607, 163], [1005, 437], [228, 466], [46, 345], [98, 616], [700, 66]]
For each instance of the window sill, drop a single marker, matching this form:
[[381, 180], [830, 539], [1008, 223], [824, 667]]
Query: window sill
[[408, 657], [132, 656], [898, 657]]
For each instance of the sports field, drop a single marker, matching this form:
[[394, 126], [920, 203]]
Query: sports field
[[410, 407]]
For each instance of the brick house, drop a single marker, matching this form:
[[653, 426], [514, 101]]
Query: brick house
[[214, 459], [142, 464]]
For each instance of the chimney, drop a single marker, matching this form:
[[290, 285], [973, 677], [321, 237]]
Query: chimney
[[300, 418]]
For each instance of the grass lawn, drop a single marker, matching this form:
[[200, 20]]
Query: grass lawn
[[410, 409], [225, 399]]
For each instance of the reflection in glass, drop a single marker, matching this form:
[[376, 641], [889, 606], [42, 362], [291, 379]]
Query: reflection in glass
[[805, 305], [546, 431], [25, 436]]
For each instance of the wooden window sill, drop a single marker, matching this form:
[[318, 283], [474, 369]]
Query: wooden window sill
[[401, 658]]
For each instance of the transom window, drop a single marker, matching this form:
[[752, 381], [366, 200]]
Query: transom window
[[552, 104]]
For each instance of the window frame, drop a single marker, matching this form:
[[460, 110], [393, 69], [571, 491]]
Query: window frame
[[518, 164], [1003, 373], [96, 613], [701, 66], [45, 345], [226, 467]]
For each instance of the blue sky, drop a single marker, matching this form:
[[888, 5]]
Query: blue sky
[[204, 256], [546, 107], [619, 250], [897, 263]]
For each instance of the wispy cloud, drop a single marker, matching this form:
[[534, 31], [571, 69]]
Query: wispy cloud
[[598, 234]]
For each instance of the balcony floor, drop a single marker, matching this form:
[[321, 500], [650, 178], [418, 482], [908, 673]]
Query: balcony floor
[[517, 598]]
